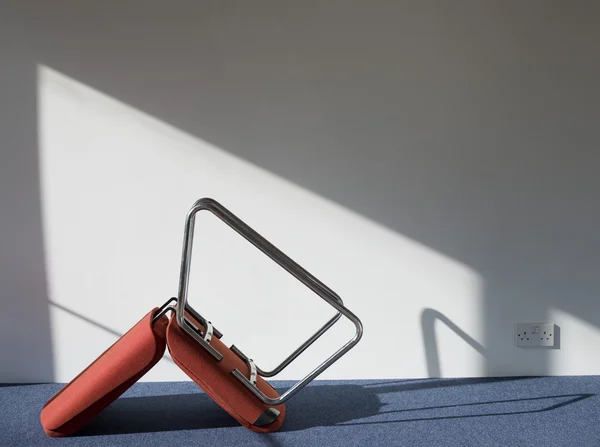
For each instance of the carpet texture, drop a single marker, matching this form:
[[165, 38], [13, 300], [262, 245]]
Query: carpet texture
[[530, 411]]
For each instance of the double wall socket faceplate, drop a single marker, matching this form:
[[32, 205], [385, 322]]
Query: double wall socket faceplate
[[535, 335]]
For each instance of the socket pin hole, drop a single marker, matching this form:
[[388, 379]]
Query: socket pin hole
[[527, 338]]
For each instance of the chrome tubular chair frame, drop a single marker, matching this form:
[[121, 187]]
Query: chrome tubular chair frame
[[290, 266]]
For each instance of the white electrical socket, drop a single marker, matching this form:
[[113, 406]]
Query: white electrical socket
[[535, 335]]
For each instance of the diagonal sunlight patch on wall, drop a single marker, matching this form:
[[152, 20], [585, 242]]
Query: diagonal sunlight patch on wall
[[116, 184]]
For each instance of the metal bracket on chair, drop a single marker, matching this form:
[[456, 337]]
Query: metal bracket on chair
[[190, 328], [291, 267]]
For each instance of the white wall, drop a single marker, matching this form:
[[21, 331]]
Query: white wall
[[116, 187], [435, 165]]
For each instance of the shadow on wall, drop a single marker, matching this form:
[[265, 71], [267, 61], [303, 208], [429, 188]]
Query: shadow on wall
[[97, 324], [86, 319], [26, 343], [429, 317], [476, 141], [428, 320]]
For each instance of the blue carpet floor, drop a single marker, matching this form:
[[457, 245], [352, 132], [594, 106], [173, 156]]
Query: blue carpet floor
[[531, 411]]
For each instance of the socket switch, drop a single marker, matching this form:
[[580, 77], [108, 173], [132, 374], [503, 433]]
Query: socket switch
[[535, 335]]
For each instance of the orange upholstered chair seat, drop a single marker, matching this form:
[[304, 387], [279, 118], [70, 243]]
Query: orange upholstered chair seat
[[216, 379]]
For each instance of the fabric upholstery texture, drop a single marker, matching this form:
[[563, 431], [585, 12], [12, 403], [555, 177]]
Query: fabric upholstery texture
[[109, 376]]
